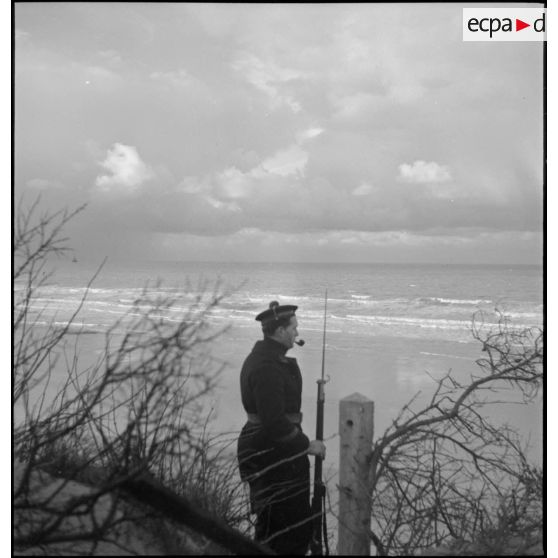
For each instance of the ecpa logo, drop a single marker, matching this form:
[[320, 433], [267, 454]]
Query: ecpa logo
[[504, 24]]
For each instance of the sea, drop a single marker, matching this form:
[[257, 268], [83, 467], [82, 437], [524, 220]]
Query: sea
[[387, 331]]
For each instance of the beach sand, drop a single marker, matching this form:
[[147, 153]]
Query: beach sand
[[388, 370]]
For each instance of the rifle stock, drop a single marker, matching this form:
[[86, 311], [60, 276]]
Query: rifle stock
[[319, 488]]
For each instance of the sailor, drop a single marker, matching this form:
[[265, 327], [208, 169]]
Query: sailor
[[272, 448]]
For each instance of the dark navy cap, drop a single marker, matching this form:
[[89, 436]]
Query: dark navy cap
[[275, 311]]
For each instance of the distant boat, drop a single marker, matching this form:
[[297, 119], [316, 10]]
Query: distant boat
[[74, 260]]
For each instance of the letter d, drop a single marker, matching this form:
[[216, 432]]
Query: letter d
[[537, 21]]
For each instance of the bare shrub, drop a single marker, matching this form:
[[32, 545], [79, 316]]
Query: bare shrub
[[444, 475], [137, 410]]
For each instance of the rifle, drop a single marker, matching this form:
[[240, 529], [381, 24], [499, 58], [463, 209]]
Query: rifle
[[319, 526]]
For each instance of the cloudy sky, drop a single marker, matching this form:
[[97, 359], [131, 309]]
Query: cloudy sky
[[317, 132]]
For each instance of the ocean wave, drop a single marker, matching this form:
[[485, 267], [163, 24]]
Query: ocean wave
[[411, 321], [453, 301], [406, 302], [360, 308], [524, 315], [76, 328], [445, 355]]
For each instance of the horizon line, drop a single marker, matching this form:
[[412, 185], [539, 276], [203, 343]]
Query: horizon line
[[295, 262]]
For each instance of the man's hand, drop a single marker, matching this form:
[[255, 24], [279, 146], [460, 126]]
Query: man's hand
[[317, 448]]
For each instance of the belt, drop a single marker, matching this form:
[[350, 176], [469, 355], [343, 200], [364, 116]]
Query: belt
[[295, 418]]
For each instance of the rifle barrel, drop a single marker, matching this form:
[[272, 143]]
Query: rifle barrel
[[324, 339]]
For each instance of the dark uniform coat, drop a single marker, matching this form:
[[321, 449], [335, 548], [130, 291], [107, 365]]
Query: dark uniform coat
[[272, 446]]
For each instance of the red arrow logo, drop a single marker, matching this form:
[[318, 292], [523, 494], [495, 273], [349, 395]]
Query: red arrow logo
[[519, 25]]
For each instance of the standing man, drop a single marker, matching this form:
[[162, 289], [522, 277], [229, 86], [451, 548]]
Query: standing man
[[272, 448]]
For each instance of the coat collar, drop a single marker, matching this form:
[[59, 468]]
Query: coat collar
[[271, 347]]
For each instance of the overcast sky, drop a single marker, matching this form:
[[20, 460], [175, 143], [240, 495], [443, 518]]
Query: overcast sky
[[317, 132]]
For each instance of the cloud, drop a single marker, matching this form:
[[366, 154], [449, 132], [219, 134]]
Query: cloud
[[180, 80], [287, 163], [309, 134], [238, 115], [105, 78], [110, 57], [352, 106], [421, 172], [291, 161], [270, 78], [126, 169], [363, 190], [233, 183], [43, 184], [21, 36], [217, 204], [192, 185]]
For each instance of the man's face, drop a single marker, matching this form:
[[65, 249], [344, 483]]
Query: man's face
[[288, 334]]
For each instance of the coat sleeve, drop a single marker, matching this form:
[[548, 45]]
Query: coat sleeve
[[268, 390]]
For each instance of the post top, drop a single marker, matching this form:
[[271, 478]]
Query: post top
[[357, 398]]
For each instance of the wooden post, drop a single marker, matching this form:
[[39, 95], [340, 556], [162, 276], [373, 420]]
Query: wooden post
[[356, 430]]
